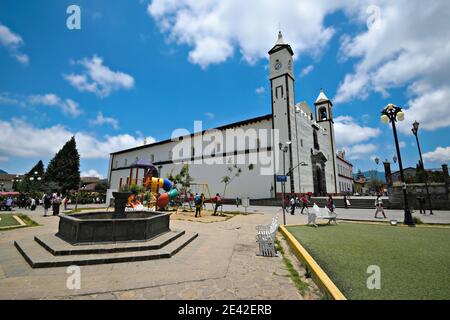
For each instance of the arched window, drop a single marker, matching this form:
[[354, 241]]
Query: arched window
[[323, 113]]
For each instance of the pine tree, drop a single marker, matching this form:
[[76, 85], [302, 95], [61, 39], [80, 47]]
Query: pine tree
[[64, 169]]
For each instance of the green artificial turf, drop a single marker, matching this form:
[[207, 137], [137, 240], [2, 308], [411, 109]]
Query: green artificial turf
[[414, 262], [7, 220]]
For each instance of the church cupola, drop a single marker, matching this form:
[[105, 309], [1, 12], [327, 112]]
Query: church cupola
[[323, 108]]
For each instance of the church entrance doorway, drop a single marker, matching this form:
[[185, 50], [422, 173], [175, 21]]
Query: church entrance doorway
[[319, 177]]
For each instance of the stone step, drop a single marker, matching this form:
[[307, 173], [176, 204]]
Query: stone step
[[38, 257], [58, 247]]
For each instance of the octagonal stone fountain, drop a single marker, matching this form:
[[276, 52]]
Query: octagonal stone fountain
[[106, 237], [117, 226]]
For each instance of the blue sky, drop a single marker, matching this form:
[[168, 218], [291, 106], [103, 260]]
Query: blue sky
[[144, 68]]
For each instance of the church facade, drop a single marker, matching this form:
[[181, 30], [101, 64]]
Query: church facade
[[294, 140]]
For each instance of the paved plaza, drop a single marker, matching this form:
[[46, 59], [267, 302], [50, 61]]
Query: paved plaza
[[220, 264]]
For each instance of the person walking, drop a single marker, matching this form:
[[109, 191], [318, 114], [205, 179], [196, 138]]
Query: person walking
[[202, 196], [421, 201], [56, 202], [238, 202], [47, 203], [33, 204], [9, 204], [330, 204], [345, 202], [65, 201], [305, 203], [292, 203], [379, 207], [218, 202], [198, 205]]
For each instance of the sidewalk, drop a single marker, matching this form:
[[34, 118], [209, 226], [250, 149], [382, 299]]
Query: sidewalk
[[439, 217]]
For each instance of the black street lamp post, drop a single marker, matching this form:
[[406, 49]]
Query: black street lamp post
[[391, 113], [284, 149], [415, 131]]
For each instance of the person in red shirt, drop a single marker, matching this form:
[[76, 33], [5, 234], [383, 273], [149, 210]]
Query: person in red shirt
[[218, 201], [305, 203]]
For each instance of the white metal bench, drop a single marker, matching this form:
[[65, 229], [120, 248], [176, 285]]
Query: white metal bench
[[320, 213], [265, 238]]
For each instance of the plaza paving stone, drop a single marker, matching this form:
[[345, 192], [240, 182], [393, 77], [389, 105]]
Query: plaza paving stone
[[220, 264]]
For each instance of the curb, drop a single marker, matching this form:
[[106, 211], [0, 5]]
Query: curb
[[321, 277]]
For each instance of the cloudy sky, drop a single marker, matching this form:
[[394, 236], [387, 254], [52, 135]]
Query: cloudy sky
[[140, 69]]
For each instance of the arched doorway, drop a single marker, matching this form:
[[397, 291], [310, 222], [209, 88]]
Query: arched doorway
[[319, 177]]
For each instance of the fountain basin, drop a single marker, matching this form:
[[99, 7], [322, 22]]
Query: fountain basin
[[105, 227]]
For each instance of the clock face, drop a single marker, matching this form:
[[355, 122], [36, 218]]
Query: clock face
[[278, 65], [290, 65]]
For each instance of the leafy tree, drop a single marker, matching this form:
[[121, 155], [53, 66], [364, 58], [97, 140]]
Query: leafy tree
[[101, 187], [184, 179], [64, 168], [375, 185], [233, 171]]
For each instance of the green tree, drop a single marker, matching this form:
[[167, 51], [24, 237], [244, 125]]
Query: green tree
[[64, 169], [184, 178], [233, 171], [101, 187]]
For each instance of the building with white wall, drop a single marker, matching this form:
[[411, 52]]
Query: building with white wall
[[310, 161], [345, 174]]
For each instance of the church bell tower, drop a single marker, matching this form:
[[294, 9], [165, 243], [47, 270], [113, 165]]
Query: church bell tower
[[324, 117], [283, 102]]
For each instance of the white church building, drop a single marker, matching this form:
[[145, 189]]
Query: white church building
[[301, 135]]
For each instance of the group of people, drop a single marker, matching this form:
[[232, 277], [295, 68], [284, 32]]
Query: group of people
[[49, 200], [199, 202], [295, 202]]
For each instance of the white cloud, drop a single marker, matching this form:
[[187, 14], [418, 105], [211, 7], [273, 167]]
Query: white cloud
[[101, 120], [348, 132], [21, 139], [260, 90], [12, 42], [67, 106], [98, 78], [409, 47], [91, 173], [306, 70], [210, 115], [359, 151], [405, 46], [440, 154], [215, 29], [3, 158], [7, 99]]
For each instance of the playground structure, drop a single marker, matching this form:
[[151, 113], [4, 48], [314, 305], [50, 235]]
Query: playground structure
[[149, 187]]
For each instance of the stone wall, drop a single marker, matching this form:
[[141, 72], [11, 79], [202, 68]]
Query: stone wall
[[439, 193]]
